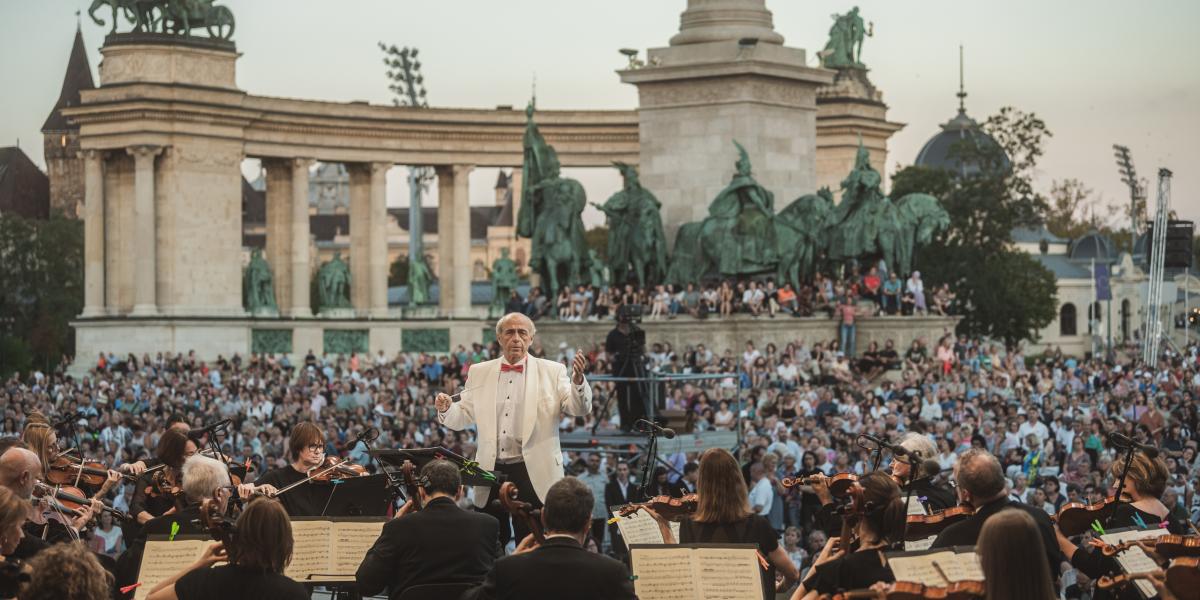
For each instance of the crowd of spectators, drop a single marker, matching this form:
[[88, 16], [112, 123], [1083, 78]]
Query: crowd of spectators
[[797, 410], [883, 293]]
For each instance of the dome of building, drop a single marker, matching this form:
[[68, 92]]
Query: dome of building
[[940, 151], [1093, 245]]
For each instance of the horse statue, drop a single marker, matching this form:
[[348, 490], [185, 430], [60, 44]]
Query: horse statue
[[802, 232], [181, 16], [688, 261], [138, 12], [918, 218]]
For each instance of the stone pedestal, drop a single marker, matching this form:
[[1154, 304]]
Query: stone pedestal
[[165, 58], [726, 76], [850, 109]]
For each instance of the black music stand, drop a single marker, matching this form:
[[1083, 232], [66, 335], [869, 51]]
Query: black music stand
[[365, 496], [472, 473]]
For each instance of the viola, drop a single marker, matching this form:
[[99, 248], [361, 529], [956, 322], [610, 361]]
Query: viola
[[922, 526], [1075, 518], [221, 528], [522, 510], [671, 509], [1167, 546], [838, 484], [73, 498]]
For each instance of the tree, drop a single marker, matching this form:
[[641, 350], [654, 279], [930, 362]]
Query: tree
[[1072, 211], [1006, 294]]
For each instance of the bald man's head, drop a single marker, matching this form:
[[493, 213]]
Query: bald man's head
[[980, 475], [19, 469]]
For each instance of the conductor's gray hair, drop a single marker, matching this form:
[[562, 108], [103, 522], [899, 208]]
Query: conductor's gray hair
[[515, 315]]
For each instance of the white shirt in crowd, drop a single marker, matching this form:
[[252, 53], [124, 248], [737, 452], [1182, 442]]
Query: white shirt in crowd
[[762, 495]]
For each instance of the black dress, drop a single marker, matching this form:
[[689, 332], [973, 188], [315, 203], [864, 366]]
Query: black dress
[[306, 500], [233, 582], [855, 571], [755, 529]]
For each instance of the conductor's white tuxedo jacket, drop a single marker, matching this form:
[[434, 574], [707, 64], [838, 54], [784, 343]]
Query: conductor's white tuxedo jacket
[[549, 392]]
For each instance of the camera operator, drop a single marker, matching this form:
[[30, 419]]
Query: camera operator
[[626, 343]]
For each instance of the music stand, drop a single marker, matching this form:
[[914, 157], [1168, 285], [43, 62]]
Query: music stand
[[472, 473], [365, 496]]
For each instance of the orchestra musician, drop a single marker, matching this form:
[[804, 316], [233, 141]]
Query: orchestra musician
[[881, 525], [1010, 556], [723, 515], [561, 567], [937, 497], [981, 486], [42, 440], [19, 470], [12, 517], [306, 452], [516, 402], [402, 556], [45, 523], [264, 549], [156, 493]]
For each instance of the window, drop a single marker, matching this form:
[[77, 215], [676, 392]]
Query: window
[[1066, 320]]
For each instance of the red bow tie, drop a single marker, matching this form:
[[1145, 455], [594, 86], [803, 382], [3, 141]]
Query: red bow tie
[[505, 367]]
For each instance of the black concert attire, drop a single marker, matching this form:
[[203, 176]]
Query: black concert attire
[[518, 474], [1093, 563], [142, 501], [615, 495], [307, 500], [854, 571], [441, 543], [936, 497], [754, 529], [235, 582], [966, 532], [558, 569], [682, 488], [627, 360]]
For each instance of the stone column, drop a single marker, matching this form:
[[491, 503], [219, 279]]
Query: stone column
[[301, 269], [377, 239], [145, 301], [360, 226], [454, 240], [279, 229], [93, 233]]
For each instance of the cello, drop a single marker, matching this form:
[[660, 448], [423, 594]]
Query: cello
[[412, 483], [520, 509]]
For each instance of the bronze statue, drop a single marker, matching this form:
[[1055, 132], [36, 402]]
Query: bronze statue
[[419, 279], [333, 281], [844, 48], [169, 16], [635, 233], [257, 290], [504, 281]]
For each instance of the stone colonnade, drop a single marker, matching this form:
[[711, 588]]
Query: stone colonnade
[[108, 216]]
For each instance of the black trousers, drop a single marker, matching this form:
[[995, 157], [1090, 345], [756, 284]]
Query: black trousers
[[630, 404], [518, 474]]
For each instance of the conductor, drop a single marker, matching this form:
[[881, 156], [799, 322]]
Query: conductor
[[516, 402]]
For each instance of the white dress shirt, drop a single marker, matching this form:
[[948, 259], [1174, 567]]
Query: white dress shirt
[[510, 405]]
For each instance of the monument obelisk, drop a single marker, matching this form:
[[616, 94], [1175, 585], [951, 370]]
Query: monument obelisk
[[725, 76]]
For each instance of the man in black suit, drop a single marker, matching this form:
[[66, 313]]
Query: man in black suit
[[621, 490], [981, 485], [441, 543], [561, 567], [686, 484]]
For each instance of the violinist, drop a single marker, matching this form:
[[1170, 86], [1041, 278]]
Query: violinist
[[402, 557], [156, 493], [264, 549], [880, 525], [306, 451], [47, 522], [936, 497], [1014, 566], [723, 515], [981, 486], [42, 440]]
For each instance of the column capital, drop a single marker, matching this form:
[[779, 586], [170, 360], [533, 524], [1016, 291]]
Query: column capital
[[454, 170], [302, 163], [91, 154], [144, 150]]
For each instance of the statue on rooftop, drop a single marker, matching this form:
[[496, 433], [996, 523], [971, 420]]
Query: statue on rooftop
[[844, 48], [635, 233], [169, 16], [333, 280], [551, 214]]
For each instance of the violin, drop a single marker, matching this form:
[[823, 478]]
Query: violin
[[73, 498], [412, 483], [1182, 577], [851, 512], [671, 509], [221, 528], [67, 470], [1167, 546], [1075, 518], [922, 526], [163, 485], [522, 510], [907, 590], [336, 468], [838, 484]]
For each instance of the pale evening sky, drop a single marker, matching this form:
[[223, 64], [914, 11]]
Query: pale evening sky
[[1098, 72]]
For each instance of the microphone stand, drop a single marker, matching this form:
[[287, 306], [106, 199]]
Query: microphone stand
[[650, 457], [914, 457], [1121, 482]]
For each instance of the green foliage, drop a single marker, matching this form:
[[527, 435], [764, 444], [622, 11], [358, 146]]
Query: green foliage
[[596, 239], [1006, 293], [398, 272], [41, 288]]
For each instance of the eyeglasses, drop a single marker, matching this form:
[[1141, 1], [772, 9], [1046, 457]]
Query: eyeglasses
[[318, 448]]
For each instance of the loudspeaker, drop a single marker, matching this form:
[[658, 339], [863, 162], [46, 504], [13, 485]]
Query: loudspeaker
[[1178, 244]]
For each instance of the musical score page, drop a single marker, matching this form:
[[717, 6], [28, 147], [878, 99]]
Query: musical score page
[[1135, 560], [663, 573], [728, 574], [351, 541], [310, 549], [163, 559], [641, 528], [955, 566], [918, 545]]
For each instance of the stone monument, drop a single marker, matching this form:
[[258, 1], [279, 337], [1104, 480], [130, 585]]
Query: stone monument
[[725, 74]]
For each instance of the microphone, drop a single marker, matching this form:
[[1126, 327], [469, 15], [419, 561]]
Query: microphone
[[1120, 440], [366, 436], [212, 427], [648, 426], [895, 449]]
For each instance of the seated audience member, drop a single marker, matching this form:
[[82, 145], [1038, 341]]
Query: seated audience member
[[403, 556], [254, 571], [562, 567], [66, 572]]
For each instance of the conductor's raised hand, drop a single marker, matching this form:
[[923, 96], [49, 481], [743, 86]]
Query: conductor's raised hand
[[442, 402], [578, 367]]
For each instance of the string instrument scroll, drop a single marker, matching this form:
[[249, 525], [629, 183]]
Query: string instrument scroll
[[522, 510]]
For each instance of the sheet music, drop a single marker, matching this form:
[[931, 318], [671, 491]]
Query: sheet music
[[351, 541], [964, 566], [917, 545], [641, 528], [915, 507], [1135, 560], [310, 549], [728, 574], [663, 573], [696, 572], [162, 559], [956, 565]]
